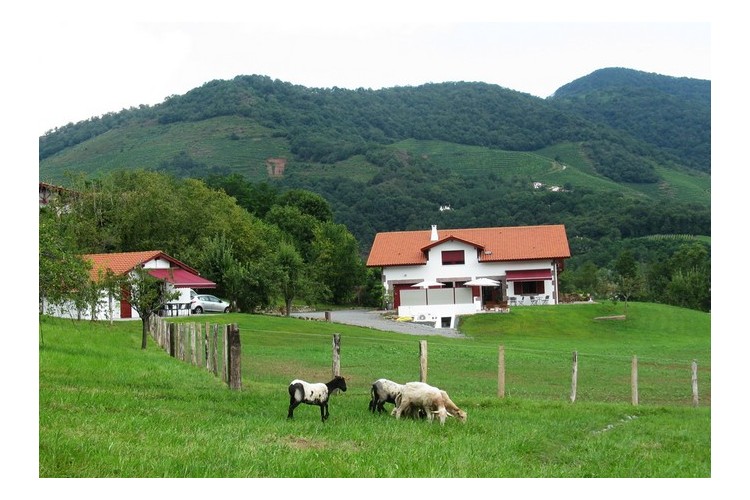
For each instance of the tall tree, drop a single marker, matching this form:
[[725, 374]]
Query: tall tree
[[336, 260], [146, 295], [292, 276], [62, 271]]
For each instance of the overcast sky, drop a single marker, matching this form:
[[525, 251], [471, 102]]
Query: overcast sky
[[91, 68]]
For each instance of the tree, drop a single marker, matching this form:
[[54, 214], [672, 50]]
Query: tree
[[146, 295], [629, 279], [292, 277], [625, 265], [308, 203], [372, 293], [337, 264], [690, 284], [690, 288], [111, 284], [62, 271], [298, 226]]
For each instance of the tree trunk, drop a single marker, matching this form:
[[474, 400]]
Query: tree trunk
[[144, 338], [289, 307]]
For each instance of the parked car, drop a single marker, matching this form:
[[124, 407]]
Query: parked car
[[208, 303]]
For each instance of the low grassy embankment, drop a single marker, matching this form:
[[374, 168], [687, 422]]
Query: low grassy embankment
[[109, 409]]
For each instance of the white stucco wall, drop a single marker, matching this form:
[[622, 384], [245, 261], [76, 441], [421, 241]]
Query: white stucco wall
[[434, 270], [103, 312]]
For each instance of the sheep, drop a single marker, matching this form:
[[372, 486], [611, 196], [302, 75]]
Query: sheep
[[452, 409], [313, 394], [384, 391], [433, 401]]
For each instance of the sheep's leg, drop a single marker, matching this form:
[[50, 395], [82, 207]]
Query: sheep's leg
[[323, 412], [292, 405], [441, 415], [399, 409]]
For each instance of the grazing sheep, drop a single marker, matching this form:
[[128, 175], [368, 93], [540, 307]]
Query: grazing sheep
[[418, 396], [313, 394], [452, 409], [410, 411], [383, 391]]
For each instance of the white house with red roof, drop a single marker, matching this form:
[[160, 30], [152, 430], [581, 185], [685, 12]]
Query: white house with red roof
[[174, 274], [427, 271]]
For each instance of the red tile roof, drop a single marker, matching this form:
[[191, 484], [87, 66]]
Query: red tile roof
[[121, 263], [404, 248]]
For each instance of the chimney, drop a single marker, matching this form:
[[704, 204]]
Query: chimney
[[434, 235]]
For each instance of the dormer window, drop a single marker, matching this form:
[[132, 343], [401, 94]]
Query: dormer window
[[453, 257]]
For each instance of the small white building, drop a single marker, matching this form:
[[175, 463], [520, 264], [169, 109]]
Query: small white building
[[175, 275], [426, 271]]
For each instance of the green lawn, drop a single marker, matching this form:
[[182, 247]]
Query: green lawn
[[109, 409]]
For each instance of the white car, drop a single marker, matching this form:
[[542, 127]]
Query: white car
[[208, 303]]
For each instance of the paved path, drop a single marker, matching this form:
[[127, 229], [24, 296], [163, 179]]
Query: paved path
[[376, 319]]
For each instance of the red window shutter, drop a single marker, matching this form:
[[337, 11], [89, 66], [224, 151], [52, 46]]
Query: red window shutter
[[453, 257]]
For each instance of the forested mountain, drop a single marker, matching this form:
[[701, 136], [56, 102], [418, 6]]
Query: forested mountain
[[673, 114], [617, 156]]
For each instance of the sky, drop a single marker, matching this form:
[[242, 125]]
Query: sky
[[91, 68]]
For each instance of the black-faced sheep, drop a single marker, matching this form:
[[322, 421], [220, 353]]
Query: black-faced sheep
[[313, 394]]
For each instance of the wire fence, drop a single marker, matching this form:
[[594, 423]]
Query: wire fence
[[481, 370]]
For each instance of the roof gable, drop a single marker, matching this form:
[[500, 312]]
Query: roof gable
[[451, 237], [402, 248]]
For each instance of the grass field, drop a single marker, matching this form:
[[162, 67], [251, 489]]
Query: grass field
[[109, 409]]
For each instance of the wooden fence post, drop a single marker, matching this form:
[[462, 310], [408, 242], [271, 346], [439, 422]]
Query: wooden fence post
[[235, 355], [181, 343], [206, 352], [193, 348], [172, 339], [501, 372], [634, 380], [695, 382], [214, 350], [574, 387], [336, 357], [423, 361], [336, 354], [225, 356]]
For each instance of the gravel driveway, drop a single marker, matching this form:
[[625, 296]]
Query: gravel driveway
[[377, 320]]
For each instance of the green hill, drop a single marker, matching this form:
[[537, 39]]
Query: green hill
[[389, 159], [109, 409]]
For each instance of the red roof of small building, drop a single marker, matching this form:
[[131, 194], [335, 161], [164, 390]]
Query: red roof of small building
[[122, 263], [403, 248]]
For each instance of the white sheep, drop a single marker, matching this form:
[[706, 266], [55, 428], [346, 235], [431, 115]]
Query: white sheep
[[418, 396]]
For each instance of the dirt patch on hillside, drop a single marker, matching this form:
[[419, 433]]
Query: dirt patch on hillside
[[275, 167]]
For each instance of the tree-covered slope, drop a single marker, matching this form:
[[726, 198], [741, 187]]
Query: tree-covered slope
[[330, 125], [672, 114], [389, 159]]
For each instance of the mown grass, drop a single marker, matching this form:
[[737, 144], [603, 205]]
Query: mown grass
[[109, 409]]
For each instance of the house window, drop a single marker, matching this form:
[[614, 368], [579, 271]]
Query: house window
[[453, 257], [528, 287]]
